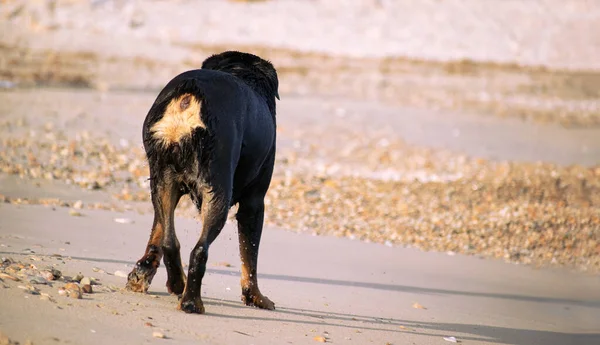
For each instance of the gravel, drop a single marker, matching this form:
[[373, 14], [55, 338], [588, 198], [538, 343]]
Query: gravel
[[530, 213]]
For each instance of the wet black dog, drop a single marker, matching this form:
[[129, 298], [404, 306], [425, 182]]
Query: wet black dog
[[210, 134]]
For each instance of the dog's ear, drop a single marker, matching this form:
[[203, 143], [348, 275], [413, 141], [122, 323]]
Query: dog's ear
[[266, 67]]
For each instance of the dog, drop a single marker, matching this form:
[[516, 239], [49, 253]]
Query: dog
[[210, 134]]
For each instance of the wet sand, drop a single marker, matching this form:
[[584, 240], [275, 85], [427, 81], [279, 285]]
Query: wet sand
[[344, 291]]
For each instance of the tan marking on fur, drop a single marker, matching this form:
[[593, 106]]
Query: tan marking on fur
[[180, 119]]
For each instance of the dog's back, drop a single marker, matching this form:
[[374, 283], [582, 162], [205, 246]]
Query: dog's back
[[230, 101]]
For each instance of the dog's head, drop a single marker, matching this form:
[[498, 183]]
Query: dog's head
[[257, 72]]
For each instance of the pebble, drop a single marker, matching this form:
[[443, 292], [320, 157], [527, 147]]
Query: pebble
[[73, 290], [38, 280], [158, 335], [56, 273], [29, 289], [47, 275], [451, 339], [121, 274], [124, 221], [46, 297], [78, 277], [418, 306], [87, 288], [9, 277], [75, 213], [85, 281]]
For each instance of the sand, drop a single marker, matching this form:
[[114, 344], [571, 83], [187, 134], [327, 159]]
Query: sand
[[435, 177]]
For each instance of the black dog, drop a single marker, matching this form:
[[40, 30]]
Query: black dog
[[210, 134]]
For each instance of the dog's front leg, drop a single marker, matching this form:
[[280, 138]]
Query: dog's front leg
[[165, 196], [214, 215], [250, 219]]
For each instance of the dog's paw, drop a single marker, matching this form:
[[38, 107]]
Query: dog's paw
[[192, 306], [137, 282], [140, 278], [258, 300]]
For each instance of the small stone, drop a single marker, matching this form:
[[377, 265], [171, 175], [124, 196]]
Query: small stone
[[418, 306], [7, 276], [38, 280], [85, 281], [78, 205], [46, 297], [121, 274], [75, 213], [30, 289], [56, 273], [78, 277], [124, 221], [159, 335], [87, 288], [73, 290], [111, 288], [47, 275]]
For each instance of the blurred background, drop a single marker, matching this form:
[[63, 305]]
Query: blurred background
[[457, 126]]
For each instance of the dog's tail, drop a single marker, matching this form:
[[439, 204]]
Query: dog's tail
[[176, 113]]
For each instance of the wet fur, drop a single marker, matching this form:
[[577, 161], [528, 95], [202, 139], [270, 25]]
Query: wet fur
[[210, 134]]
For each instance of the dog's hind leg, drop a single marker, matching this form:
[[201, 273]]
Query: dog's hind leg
[[214, 215], [250, 219], [165, 196], [172, 259]]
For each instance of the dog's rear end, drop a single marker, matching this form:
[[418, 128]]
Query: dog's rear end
[[210, 134]]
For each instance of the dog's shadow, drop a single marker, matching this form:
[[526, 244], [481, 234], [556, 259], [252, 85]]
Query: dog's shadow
[[469, 332], [426, 329], [364, 323]]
